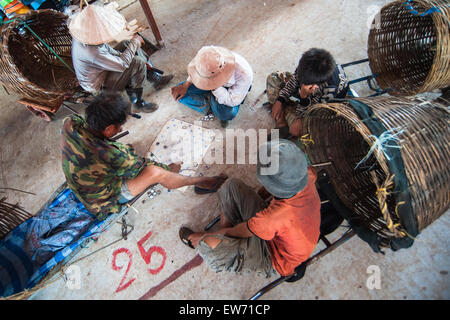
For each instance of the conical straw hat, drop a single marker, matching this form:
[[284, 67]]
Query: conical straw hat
[[97, 25]]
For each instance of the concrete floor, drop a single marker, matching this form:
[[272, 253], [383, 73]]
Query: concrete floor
[[271, 34]]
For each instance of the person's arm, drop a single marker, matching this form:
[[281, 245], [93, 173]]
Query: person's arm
[[289, 90], [306, 97], [232, 96], [241, 82], [180, 90], [153, 174], [342, 86], [109, 60], [335, 88], [240, 230]]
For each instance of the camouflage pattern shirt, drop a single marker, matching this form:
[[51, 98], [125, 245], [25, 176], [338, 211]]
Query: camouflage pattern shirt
[[95, 167]]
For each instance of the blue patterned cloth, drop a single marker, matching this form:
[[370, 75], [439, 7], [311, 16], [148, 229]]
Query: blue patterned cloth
[[33, 248]]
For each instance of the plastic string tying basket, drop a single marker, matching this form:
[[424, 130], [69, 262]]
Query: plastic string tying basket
[[388, 160], [409, 46], [27, 65]]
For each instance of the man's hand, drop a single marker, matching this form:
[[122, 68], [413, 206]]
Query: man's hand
[[171, 180], [307, 90], [195, 238], [179, 91], [277, 110], [128, 34], [139, 39], [175, 167]]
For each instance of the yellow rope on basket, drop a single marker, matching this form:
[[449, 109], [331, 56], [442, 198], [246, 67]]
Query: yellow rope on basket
[[306, 139], [382, 194]]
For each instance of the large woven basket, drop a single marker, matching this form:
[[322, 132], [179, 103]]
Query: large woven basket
[[11, 215], [404, 184], [409, 46], [27, 65]]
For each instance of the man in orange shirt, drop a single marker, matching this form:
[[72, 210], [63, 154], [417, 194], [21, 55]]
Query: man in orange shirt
[[265, 238]]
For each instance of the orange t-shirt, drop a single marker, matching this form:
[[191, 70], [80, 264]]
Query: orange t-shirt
[[291, 227]]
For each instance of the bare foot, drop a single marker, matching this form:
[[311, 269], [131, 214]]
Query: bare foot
[[195, 238], [211, 241]]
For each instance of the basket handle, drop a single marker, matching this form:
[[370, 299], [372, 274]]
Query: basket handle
[[411, 9]]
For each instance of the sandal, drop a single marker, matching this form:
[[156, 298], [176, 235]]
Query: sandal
[[221, 180], [184, 236]]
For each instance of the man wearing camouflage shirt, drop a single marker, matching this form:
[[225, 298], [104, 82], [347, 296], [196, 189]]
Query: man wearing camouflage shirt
[[105, 174], [317, 79]]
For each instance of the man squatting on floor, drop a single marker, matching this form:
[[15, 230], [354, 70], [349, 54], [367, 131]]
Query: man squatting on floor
[[218, 83], [261, 237], [317, 79], [98, 66]]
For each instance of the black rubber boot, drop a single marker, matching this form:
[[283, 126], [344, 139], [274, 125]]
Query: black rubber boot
[[139, 104], [158, 80]]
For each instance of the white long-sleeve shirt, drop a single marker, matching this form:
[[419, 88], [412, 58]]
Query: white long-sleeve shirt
[[235, 90]]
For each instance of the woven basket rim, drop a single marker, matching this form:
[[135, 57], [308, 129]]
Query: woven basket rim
[[358, 125], [6, 32], [435, 77], [420, 188]]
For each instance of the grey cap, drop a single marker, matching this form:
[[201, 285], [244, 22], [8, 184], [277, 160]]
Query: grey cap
[[282, 168]]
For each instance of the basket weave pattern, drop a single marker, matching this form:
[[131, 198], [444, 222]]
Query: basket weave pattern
[[340, 137], [27, 66], [410, 53]]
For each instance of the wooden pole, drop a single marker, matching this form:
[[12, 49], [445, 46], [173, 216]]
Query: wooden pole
[[151, 21]]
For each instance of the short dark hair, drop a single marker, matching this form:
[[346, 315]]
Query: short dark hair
[[315, 66], [106, 109]]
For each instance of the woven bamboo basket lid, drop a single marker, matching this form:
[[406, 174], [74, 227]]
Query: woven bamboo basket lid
[[408, 46]]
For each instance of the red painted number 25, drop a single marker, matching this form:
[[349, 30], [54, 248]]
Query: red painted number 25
[[146, 255]]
